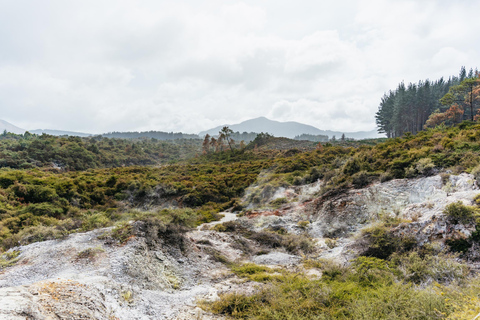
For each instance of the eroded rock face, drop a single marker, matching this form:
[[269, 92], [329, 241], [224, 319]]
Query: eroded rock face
[[151, 279], [56, 299], [56, 280], [418, 200]]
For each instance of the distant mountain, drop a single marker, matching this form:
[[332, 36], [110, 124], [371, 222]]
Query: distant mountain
[[4, 125], [288, 129], [59, 133]]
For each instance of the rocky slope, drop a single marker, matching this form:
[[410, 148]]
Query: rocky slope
[[86, 276]]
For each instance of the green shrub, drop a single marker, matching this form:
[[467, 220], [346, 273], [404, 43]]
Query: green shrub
[[425, 166], [361, 179], [294, 296], [380, 242], [122, 232], [40, 233], [303, 224], [441, 267], [386, 176], [460, 213], [371, 271], [95, 220], [278, 202], [8, 259], [44, 209], [458, 244], [476, 173], [476, 199]]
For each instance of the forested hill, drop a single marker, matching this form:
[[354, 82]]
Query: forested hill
[[411, 107], [76, 153]]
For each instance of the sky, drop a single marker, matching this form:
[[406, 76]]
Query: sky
[[138, 65]]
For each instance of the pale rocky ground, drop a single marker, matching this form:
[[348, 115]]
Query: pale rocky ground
[[141, 281]]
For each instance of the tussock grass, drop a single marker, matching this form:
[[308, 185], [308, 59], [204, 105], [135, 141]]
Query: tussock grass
[[371, 288]]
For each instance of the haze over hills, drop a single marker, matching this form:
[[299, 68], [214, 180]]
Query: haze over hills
[[59, 132], [4, 125], [288, 129]]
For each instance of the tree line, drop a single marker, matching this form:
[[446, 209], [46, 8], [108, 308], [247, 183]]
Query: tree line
[[416, 106]]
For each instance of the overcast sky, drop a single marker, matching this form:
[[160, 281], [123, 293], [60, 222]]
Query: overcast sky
[[115, 65]]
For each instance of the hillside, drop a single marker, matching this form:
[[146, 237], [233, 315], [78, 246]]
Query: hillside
[[287, 129], [76, 153], [4, 125], [381, 231]]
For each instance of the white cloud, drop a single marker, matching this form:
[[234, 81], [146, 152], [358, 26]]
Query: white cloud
[[190, 65]]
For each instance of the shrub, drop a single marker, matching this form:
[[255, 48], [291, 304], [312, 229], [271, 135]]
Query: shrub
[[157, 232], [44, 209], [425, 166], [371, 271], [218, 256], [278, 202], [8, 259], [476, 199], [380, 242], [476, 173], [303, 224], [122, 232], [361, 179], [439, 267], [458, 244], [386, 176], [39, 233], [95, 220], [460, 213], [330, 243], [294, 296]]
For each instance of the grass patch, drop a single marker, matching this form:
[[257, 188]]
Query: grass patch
[[371, 288], [9, 259], [294, 296], [255, 272]]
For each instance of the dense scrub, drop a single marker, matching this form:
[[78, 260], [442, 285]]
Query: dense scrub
[[75, 153], [35, 200], [46, 198]]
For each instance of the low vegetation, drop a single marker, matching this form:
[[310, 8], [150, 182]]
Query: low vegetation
[[8, 259], [371, 288], [50, 187], [44, 203]]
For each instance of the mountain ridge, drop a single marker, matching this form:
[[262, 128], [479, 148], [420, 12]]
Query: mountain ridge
[[288, 129]]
